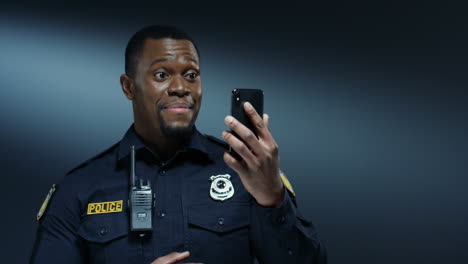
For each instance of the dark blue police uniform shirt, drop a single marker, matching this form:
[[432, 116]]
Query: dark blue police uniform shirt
[[236, 230]]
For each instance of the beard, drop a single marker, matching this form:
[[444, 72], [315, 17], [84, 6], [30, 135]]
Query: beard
[[180, 133]]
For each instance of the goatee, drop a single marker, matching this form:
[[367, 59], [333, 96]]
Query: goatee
[[180, 133]]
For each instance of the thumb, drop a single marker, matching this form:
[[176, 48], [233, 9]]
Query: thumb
[[181, 256], [172, 258]]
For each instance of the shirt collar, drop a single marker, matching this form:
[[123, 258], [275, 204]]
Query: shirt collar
[[197, 142]]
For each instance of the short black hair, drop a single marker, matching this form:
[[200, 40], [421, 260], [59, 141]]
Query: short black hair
[[136, 42]]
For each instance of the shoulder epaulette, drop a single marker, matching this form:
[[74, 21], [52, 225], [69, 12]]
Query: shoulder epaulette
[[44, 205], [217, 141], [83, 164], [287, 184]]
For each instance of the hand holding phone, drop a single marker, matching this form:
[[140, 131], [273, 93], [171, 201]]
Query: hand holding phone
[[255, 159]]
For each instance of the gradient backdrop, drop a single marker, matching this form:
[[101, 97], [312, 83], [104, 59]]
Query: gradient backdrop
[[368, 103]]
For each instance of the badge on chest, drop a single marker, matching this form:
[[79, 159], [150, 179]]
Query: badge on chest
[[221, 187]]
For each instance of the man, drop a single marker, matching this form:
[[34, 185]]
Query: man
[[87, 220]]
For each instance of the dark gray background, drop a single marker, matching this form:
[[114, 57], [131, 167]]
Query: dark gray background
[[368, 103]]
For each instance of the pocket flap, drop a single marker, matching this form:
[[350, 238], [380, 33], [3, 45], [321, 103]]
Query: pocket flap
[[220, 218], [101, 229]]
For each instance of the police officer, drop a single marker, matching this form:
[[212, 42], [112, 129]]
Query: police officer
[[210, 206]]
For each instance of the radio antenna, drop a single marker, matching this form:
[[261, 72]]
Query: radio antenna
[[132, 166]]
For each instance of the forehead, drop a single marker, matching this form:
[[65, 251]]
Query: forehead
[[168, 48]]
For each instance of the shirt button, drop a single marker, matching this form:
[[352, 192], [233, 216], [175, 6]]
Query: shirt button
[[103, 231], [281, 219], [290, 252], [221, 221], [162, 172], [161, 214]]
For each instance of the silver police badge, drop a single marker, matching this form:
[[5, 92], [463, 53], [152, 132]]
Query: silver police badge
[[221, 187]]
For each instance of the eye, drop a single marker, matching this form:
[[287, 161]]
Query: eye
[[192, 76], [160, 75]]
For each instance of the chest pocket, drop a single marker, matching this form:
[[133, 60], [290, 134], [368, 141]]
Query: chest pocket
[[219, 232], [107, 239]]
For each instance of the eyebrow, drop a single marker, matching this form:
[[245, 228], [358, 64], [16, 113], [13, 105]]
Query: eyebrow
[[158, 61], [166, 59], [193, 60]]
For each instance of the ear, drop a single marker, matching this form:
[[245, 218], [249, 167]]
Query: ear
[[127, 86]]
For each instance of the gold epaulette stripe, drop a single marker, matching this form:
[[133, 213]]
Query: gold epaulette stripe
[[286, 183]]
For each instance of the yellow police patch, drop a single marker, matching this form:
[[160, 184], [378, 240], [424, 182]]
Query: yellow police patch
[[105, 207], [286, 183], [46, 202]]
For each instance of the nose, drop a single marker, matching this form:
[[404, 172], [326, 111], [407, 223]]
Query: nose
[[177, 87]]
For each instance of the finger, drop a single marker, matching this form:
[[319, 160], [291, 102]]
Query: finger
[[266, 120], [240, 148], [269, 137], [243, 132], [172, 258], [256, 120], [234, 164]]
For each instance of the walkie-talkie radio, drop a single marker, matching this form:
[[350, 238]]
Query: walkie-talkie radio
[[140, 201]]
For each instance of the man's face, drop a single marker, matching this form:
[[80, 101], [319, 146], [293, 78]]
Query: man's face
[[167, 86]]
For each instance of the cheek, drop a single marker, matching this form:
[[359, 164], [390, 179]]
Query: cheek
[[197, 94], [152, 92]]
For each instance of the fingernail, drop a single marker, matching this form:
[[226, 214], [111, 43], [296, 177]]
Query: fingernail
[[228, 120], [224, 134], [247, 106]]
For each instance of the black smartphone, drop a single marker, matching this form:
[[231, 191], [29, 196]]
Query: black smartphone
[[239, 97]]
